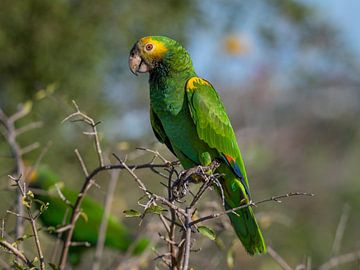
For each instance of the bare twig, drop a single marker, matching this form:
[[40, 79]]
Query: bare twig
[[27, 197], [187, 239], [10, 134], [277, 258], [62, 196], [104, 221], [82, 163], [58, 238], [22, 194], [80, 244], [2, 227], [41, 155], [93, 125], [28, 127], [340, 230], [341, 259], [76, 206], [29, 148], [251, 204], [16, 252]]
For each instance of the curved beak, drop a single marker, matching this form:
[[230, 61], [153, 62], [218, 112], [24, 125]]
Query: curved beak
[[136, 63]]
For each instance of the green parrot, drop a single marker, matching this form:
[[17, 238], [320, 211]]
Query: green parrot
[[188, 116], [43, 181]]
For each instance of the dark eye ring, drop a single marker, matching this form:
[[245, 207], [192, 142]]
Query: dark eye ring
[[149, 47]]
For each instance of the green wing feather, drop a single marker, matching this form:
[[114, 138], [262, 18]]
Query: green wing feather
[[159, 130], [211, 120], [213, 127]]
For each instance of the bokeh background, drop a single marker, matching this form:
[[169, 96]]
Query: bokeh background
[[288, 73]]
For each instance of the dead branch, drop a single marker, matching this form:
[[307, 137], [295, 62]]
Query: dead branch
[[16, 252], [23, 195], [341, 259], [88, 120], [340, 230], [104, 221], [10, 135], [27, 201], [251, 204], [277, 258]]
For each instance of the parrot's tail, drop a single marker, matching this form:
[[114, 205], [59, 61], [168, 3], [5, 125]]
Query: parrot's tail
[[236, 192], [247, 230]]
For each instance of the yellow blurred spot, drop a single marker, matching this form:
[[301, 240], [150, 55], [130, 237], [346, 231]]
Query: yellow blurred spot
[[124, 145], [42, 93], [236, 45], [265, 221], [26, 108], [51, 88]]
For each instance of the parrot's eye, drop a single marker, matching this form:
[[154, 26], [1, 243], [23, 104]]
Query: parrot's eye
[[149, 47]]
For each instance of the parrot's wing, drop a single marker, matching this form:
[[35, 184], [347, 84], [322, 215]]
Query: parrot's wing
[[159, 130], [213, 125]]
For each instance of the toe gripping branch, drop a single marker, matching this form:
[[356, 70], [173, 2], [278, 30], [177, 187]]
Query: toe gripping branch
[[198, 174]]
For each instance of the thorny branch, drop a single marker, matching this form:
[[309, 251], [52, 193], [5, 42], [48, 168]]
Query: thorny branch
[[16, 252], [180, 248], [11, 134], [251, 204], [104, 221], [179, 221], [181, 213], [89, 178], [27, 200]]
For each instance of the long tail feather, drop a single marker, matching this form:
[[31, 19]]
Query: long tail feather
[[247, 230], [243, 221]]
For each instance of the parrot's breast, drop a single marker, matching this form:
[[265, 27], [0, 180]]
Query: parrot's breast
[[171, 107]]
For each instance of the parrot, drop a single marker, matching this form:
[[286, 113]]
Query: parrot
[[189, 117], [42, 180]]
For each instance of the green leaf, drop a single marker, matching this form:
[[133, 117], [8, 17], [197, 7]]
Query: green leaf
[[30, 194], [43, 206], [155, 209], [84, 216], [27, 106], [208, 232], [26, 202], [131, 213], [51, 229]]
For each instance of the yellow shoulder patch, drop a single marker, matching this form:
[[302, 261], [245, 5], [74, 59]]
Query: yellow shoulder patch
[[195, 80], [159, 48]]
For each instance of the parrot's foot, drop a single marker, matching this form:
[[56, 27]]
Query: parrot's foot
[[196, 175]]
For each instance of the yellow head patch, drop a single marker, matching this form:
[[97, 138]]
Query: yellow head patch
[[192, 82], [152, 47]]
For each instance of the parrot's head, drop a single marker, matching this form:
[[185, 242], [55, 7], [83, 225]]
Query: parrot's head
[[157, 52]]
